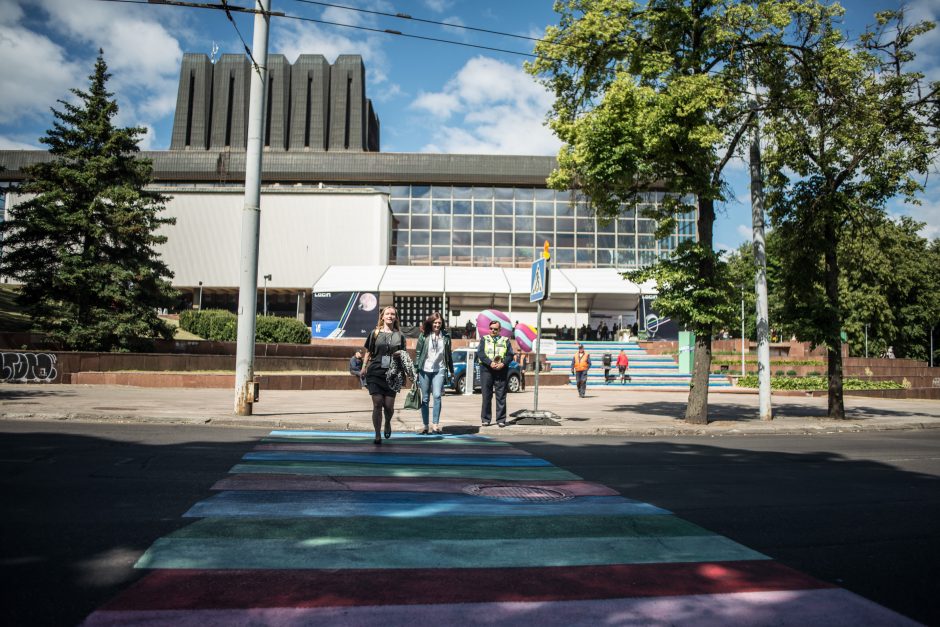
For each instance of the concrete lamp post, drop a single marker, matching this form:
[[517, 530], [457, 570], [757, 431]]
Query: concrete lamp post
[[266, 278]]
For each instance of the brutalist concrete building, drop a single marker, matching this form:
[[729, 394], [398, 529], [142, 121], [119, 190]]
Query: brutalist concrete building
[[331, 200]]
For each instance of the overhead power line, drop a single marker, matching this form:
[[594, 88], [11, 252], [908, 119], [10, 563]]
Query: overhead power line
[[405, 16]]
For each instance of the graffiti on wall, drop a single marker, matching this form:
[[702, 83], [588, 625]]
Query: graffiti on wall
[[28, 367]]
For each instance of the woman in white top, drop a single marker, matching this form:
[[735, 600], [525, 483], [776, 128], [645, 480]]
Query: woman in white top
[[433, 361]]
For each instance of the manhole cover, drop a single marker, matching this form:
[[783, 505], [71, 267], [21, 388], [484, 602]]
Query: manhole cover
[[517, 493]]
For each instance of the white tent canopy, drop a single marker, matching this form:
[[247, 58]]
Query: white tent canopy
[[573, 290]]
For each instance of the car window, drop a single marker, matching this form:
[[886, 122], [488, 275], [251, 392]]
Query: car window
[[460, 357]]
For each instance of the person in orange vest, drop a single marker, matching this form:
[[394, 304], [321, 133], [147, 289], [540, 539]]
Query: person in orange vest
[[623, 362], [580, 364]]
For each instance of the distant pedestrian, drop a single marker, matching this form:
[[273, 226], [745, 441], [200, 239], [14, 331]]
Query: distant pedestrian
[[433, 362], [494, 352], [623, 362], [580, 365], [355, 367], [384, 341], [607, 360]]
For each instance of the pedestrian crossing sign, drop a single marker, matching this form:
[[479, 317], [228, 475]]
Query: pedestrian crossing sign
[[538, 289]]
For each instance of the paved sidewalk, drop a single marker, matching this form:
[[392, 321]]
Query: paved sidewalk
[[602, 412]]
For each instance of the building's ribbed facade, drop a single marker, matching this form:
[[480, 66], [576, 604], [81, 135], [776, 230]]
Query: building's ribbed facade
[[310, 105]]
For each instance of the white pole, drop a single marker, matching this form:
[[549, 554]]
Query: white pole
[[742, 331], [760, 261], [251, 217], [866, 340]]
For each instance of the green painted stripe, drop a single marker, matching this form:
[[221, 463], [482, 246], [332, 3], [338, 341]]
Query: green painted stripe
[[431, 441], [370, 470], [457, 528], [421, 553]]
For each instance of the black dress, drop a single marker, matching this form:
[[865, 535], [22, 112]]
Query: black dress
[[381, 345]]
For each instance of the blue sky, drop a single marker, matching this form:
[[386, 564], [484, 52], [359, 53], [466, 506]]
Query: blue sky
[[430, 97]]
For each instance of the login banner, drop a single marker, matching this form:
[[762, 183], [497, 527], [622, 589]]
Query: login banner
[[343, 314]]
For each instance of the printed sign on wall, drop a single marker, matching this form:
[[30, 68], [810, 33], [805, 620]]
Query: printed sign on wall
[[343, 314]]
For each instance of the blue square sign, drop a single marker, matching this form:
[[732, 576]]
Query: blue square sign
[[538, 288]]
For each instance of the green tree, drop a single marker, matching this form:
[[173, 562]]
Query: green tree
[[82, 243], [891, 282], [654, 93], [852, 127]]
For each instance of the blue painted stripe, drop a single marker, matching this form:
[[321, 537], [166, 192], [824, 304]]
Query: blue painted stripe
[[251, 503], [370, 434], [392, 458]]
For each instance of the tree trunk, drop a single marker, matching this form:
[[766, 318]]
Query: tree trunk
[[834, 325], [696, 412]]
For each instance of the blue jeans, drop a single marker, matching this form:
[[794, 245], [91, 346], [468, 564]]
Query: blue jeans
[[431, 383]]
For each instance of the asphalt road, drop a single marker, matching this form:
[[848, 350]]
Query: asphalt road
[[83, 501]]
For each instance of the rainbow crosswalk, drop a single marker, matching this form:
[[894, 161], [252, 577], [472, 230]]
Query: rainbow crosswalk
[[324, 528]]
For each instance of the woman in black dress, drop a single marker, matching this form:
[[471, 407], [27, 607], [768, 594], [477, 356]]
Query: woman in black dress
[[381, 344]]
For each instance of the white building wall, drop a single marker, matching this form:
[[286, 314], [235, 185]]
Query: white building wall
[[303, 232]]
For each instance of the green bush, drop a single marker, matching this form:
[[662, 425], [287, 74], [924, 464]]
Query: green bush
[[817, 383], [222, 326], [791, 373], [278, 330], [779, 373]]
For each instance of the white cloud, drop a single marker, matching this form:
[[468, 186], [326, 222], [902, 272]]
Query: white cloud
[[11, 143], [439, 104], [500, 110], [55, 42], [927, 46], [438, 6], [40, 75], [745, 231]]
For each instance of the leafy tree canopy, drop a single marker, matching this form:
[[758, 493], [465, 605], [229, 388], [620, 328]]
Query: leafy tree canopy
[[82, 243]]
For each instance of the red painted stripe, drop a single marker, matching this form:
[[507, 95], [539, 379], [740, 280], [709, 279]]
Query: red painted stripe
[[391, 484], [234, 589]]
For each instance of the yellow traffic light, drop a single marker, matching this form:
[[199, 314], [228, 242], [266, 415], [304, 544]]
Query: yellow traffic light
[[545, 253]]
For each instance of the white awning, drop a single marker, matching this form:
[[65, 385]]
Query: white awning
[[587, 283], [413, 280], [467, 280], [350, 279]]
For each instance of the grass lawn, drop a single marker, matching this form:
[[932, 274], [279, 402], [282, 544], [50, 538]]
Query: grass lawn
[[12, 317]]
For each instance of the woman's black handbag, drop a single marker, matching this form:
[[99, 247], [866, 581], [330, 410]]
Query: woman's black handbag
[[413, 399]]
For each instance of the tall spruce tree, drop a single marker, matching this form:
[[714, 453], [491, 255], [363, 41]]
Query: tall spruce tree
[[82, 243]]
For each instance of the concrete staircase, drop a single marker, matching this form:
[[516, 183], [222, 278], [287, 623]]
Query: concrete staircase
[[647, 372]]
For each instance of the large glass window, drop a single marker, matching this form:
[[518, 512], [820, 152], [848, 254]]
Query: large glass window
[[400, 191], [503, 193], [503, 208], [484, 193], [420, 206], [482, 238], [461, 238], [482, 208], [463, 222], [482, 223], [419, 238], [441, 206], [502, 239], [441, 238], [462, 207], [502, 224], [400, 206], [544, 209], [440, 223], [462, 193], [420, 191], [420, 222]]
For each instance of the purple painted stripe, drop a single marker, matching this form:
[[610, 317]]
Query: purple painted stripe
[[392, 484], [799, 608]]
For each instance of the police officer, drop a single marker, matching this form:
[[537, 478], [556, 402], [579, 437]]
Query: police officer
[[494, 354]]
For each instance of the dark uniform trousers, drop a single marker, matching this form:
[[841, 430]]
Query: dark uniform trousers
[[490, 382]]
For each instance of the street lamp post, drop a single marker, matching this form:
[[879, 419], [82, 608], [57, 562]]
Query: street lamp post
[[200, 296], [742, 330], [267, 278], [866, 340], [931, 346]]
